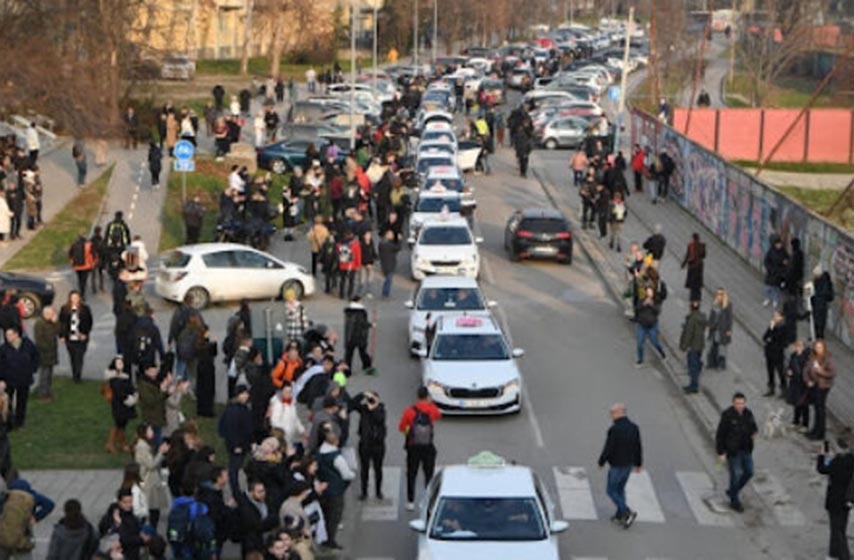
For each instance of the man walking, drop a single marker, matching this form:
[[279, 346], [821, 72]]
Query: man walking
[[83, 260], [734, 443], [839, 468], [417, 426], [692, 341], [357, 325], [194, 214], [388, 250], [236, 427], [19, 360], [622, 452]]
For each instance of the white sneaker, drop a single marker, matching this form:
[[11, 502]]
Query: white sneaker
[[410, 506], [766, 303]]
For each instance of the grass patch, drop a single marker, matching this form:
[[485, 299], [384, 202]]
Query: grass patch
[[260, 66], [209, 180], [49, 247], [670, 87], [70, 432], [801, 167], [791, 92], [820, 201]]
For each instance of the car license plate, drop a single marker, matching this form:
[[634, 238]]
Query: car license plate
[[545, 250], [473, 403]]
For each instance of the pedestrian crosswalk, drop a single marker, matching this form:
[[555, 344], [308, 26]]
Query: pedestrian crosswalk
[[657, 497]]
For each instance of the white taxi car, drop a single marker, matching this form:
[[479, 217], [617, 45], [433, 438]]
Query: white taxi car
[[445, 246], [434, 203], [487, 509], [443, 296], [469, 367], [449, 176]]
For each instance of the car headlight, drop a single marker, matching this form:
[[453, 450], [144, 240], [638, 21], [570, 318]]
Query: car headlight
[[511, 386], [435, 387], [421, 262]]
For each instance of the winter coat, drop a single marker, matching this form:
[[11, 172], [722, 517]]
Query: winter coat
[[5, 217], [356, 255], [388, 256], [80, 543], [795, 273], [46, 337], [693, 337], [798, 390], [224, 517], [776, 266], [85, 321], [125, 397], [823, 295], [623, 445], [252, 524], [840, 469], [694, 257], [720, 324], [654, 245], [821, 378], [235, 427], [368, 252], [372, 423], [18, 365], [357, 325], [735, 432], [775, 342], [149, 470], [284, 417], [152, 402], [647, 314]]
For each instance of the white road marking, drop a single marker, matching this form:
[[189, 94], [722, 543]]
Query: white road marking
[[389, 508], [698, 487], [640, 496], [774, 493], [574, 493]]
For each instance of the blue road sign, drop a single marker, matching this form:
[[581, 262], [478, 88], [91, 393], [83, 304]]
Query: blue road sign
[[184, 150], [184, 165]]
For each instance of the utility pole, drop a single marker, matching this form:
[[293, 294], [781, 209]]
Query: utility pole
[[435, 28], [352, 77], [621, 107], [415, 35]]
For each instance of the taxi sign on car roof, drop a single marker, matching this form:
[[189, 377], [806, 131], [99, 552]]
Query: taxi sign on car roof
[[438, 187], [443, 171], [486, 459], [469, 321]]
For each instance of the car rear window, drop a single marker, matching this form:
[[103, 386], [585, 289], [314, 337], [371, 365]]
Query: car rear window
[[175, 259], [543, 225]]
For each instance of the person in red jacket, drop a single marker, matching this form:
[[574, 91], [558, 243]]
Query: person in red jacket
[[349, 252], [638, 156], [416, 424]]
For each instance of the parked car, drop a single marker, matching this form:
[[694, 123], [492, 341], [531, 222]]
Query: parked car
[[562, 132], [178, 67], [281, 157], [538, 233], [210, 272], [33, 293]]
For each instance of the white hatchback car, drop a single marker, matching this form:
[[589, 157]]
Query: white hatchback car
[[469, 367], [445, 246], [443, 296], [487, 509], [210, 272]]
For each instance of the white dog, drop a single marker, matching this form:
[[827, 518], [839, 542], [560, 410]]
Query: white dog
[[775, 426]]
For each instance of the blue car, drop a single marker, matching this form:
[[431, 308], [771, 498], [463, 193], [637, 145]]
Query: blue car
[[284, 155]]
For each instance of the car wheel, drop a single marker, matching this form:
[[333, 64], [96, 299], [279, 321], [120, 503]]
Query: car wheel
[[514, 256], [31, 303], [551, 144], [294, 285], [199, 297], [568, 259], [279, 166]]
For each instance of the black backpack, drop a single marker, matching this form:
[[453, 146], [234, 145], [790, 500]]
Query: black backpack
[[78, 253], [191, 532], [421, 432]]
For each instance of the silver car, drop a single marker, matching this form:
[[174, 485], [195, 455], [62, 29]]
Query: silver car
[[565, 132]]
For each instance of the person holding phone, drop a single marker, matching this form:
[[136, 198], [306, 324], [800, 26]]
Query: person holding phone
[[819, 374], [839, 467]]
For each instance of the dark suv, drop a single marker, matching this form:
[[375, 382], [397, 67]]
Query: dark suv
[[538, 233]]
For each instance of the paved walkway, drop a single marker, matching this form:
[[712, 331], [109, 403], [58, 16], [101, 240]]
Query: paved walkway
[[811, 181], [717, 67]]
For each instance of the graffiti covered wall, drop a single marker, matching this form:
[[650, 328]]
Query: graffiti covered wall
[[744, 212]]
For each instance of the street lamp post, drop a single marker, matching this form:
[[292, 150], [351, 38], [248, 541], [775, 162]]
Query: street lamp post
[[376, 15], [415, 36], [435, 28], [352, 77]]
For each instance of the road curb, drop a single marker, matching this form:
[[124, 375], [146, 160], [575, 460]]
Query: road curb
[[703, 409]]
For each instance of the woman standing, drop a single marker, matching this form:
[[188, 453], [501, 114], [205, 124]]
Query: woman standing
[[75, 324], [122, 403], [5, 219], [132, 481], [206, 378], [155, 164], [150, 464], [694, 257], [818, 374], [720, 330], [296, 321]]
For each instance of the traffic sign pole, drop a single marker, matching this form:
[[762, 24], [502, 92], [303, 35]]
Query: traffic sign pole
[[184, 151]]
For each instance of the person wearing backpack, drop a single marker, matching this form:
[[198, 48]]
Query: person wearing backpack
[[372, 433], [839, 468], [73, 537], [349, 253], [83, 260], [417, 426], [116, 239], [190, 530]]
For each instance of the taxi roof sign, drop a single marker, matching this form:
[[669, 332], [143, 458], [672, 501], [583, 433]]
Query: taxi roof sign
[[486, 459], [469, 321]]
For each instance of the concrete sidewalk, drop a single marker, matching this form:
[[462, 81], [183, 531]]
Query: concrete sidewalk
[[786, 481]]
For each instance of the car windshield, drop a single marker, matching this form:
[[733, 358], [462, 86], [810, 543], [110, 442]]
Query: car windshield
[[175, 259], [543, 225], [433, 135], [488, 519], [424, 164], [459, 347], [431, 205], [456, 299], [446, 235]]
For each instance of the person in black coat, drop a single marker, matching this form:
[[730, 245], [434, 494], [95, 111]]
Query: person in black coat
[[155, 163], [222, 513], [372, 434], [19, 360], [821, 299], [776, 267], [206, 380], [798, 390], [235, 427], [839, 468], [775, 348], [256, 517], [121, 520], [734, 443], [357, 327], [387, 251], [654, 245], [622, 452], [795, 273]]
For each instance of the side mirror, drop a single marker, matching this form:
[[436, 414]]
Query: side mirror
[[409, 304], [556, 526], [478, 239], [518, 353], [421, 352], [420, 526], [491, 303]]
